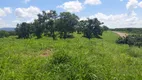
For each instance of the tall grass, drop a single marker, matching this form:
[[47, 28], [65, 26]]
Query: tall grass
[[70, 59]]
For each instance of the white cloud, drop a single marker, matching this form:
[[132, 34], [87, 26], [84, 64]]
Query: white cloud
[[93, 2], [26, 14], [71, 6], [2, 12], [132, 4], [4, 24], [140, 4], [115, 18], [5, 11], [83, 18], [118, 20], [121, 0]]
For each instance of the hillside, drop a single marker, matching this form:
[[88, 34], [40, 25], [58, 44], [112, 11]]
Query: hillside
[[70, 59]]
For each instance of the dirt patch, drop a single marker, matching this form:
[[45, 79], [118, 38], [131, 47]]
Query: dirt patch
[[121, 34], [46, 53]]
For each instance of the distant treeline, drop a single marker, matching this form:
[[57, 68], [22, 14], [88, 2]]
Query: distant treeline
[[129, 30], [4, 33]]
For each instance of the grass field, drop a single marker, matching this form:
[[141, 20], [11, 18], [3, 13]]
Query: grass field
[[70, 59]]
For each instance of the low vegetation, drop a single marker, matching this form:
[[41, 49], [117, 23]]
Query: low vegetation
[[6, 33], [133, 39], [71, 59], [60, 47]]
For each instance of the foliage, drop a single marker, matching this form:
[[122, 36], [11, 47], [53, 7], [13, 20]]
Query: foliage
[[80, 26], [66, 24], [3, 34], [49, 23], [92, 28], [70, 59], [38, 29], [105, 28], [23, 30], [12, 33], [131, 40], [52, 27]]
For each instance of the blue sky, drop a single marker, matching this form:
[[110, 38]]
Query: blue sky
[[114, 13]]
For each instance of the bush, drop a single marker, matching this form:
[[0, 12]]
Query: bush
[[121, 40], [131, 40], [60, 59], [65, 67]]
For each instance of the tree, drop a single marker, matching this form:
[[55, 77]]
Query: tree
[[105, 28], [92, 28], [45, 23], [80, 26], [66, 24], [38, 29], [23, 30], [52, 17]]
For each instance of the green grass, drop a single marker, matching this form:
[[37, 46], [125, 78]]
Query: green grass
[[70, 59]]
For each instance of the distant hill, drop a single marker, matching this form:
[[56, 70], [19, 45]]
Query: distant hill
[[7, 29]]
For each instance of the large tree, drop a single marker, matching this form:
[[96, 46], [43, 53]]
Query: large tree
[[38, 29], [51, 23], [39, 24], [92, 28], [66, 24], [46, 23], [80, 26], [23, 30]]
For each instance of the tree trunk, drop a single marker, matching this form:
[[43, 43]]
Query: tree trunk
[[65, 35]]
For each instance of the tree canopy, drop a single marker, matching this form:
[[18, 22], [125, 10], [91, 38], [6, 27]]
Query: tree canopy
[[62, 25]]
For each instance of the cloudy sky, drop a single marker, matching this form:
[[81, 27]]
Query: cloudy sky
[[114, 13]]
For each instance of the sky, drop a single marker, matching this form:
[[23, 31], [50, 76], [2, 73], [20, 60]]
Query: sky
[[114, 13]]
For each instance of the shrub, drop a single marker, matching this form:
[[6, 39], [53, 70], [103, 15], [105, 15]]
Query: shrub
[[131, 40], [60, 58], [64, 67]]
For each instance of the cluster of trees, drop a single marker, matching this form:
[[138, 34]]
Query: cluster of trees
[[91, 28], [63, 25], [131, 40], [129, 30], [4, 33]]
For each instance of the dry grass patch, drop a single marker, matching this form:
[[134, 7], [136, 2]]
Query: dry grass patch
[[46, 53]]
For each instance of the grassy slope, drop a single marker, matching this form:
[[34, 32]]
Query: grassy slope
[[73, 59]]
